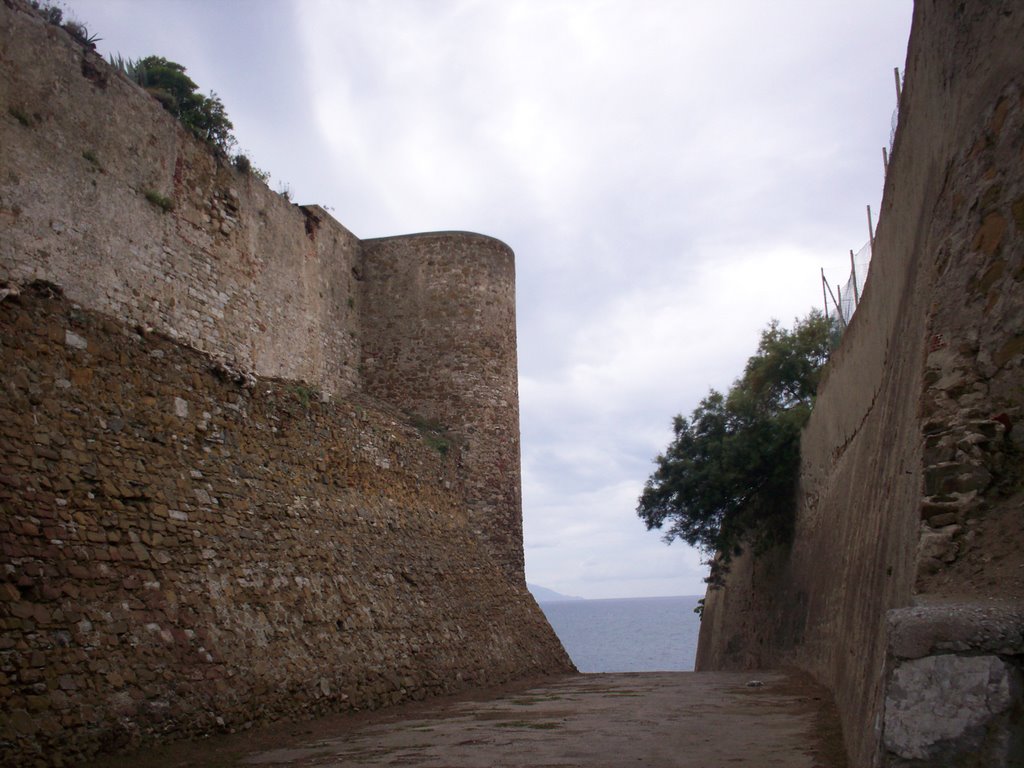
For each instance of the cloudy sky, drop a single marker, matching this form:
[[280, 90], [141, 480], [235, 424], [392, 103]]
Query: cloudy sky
[[671, 174]]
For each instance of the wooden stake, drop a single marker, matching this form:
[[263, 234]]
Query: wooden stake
[[853, 272], [824, 295], [871, 230], [899, 87], [839, 309]]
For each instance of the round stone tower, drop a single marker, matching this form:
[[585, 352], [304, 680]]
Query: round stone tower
[[439, 342]]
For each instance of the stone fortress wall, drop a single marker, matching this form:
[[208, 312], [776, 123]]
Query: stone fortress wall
[[904, 588], [250, 465], [237, 271]]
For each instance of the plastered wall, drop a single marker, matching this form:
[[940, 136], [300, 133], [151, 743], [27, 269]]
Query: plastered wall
[[910, 477]]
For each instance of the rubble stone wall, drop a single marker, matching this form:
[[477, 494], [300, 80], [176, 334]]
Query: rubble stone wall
[[183, 553], [106, 195], [419, 353]]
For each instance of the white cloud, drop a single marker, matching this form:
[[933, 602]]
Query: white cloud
[[671, 175]]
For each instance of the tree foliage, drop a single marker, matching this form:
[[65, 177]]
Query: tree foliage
[[730, 472], [167, 82]]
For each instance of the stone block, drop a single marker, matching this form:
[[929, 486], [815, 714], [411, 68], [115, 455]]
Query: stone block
[[938, 544], [75, 341], [941, 709], [995, 627]]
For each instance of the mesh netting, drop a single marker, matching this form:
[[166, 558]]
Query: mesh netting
[[841, 300], [896, 112], [846, 297]]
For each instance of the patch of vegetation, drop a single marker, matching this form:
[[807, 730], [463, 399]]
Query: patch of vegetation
[[730, 473], [20, 115], [54, 14], [80, 33], [167, 82], [434, 434], [305, 394], [205, 116], [127, 67], [165, 204], [90, 155], [243, 164]]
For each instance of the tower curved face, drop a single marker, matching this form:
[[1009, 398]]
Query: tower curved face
[[439, 341]]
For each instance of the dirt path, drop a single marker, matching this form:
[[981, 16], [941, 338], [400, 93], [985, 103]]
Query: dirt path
[[658, 719]]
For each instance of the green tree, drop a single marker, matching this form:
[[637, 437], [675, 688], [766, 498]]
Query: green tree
[[729, 475], [167, 82]]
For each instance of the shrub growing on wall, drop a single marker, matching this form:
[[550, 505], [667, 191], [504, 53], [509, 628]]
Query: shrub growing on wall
[[167, 82]]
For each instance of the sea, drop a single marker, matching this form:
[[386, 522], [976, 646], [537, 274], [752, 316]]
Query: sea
[[637, 634]]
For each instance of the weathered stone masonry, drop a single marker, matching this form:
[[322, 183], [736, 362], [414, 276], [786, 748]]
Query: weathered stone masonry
[[450, 356], [250, 465], [182, 553]]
